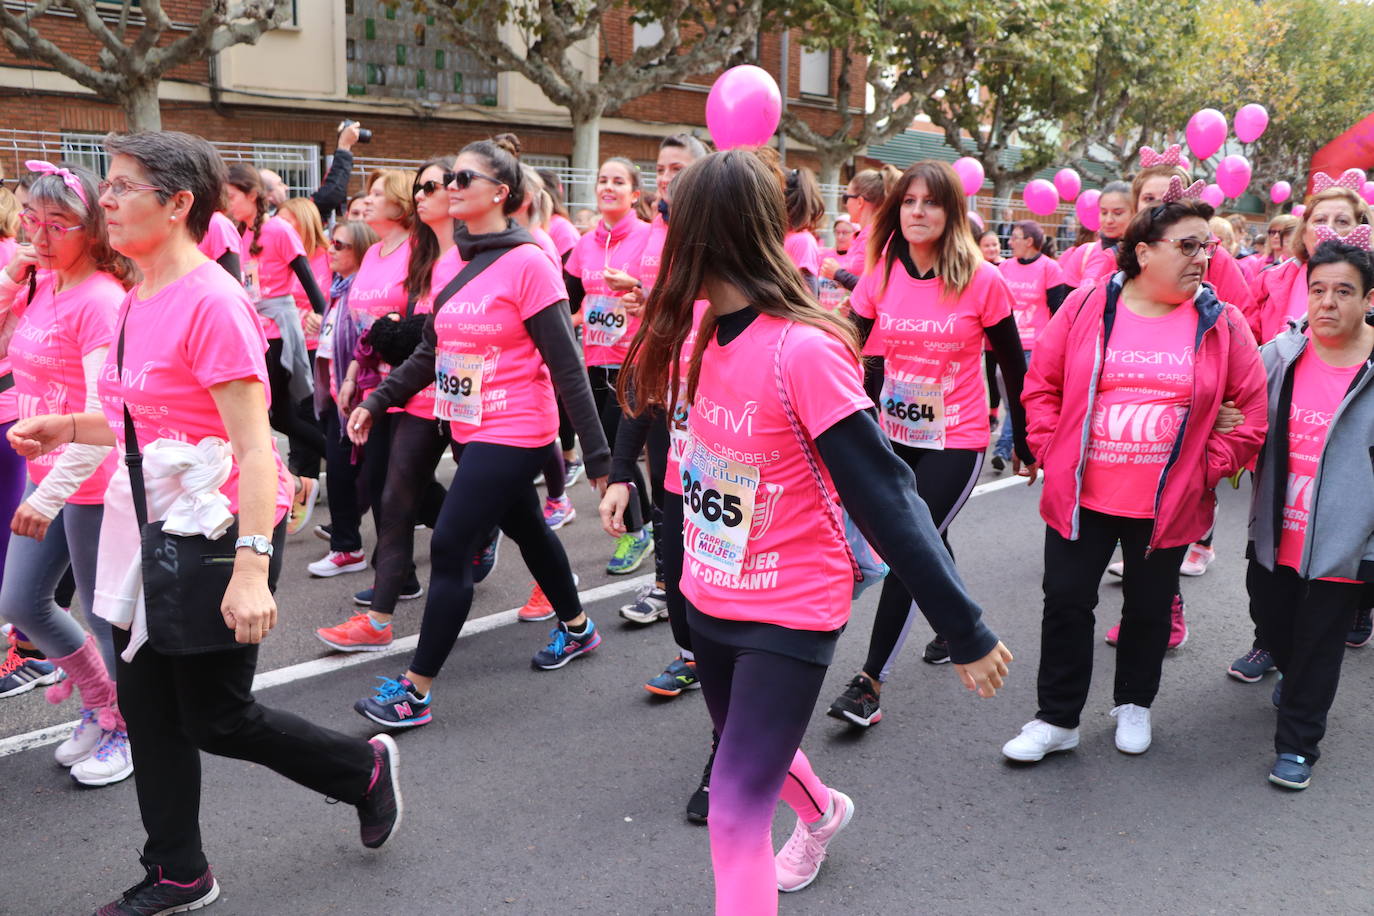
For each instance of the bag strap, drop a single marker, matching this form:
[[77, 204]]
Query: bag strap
[[480, 262], [807, 449], [133, 458]]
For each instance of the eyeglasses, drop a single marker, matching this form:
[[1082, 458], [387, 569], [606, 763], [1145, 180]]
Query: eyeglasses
[[428, 187], [847, 197], [1279, 233], [33, 225], [1190, 247], [122, 187], [464, 177], [339, 245]]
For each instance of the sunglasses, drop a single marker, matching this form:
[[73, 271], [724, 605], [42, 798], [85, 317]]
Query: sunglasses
[[464, 177], [428, 187], [338, 245], [847, 197]]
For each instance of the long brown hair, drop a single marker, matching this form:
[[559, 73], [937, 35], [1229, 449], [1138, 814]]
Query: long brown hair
[[728, 224], [307, 217], [958, 256], [246, 178], [424, 244]]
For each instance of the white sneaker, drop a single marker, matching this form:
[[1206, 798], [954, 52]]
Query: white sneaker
[[81, 742], [337, 562], [1117, 569], [110, 762], [1037, 739], [1132, 728], [1197, 560]]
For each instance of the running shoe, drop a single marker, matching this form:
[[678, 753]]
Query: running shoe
[[485, 561], [680, 675], [109, 763], [1178, 626], [858, 704], [336, 563], [304, 506], [799, 861], [699, 805], [572, 472], [1132, 728], [563, 646], [81, 743], [358, 633], [397, 704], [650, 605], [1291, 771], [20, 674], [1252, 666], [999, 463], [937, 652], [1198, 559], [379, 813], [558, 512], [1360, 633], [323, 532], [412, 589], [155, 895], [539, 480], [1117, 568], [537, 608], [1113, 633], [1038, 738], [630, 550]]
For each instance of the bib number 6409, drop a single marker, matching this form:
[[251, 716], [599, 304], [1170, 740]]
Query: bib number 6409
[[710, 504]]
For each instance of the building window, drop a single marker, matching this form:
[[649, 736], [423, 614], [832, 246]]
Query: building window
[[384, 34], [298, 164], [85, 150], [815, 72], [648, 35]]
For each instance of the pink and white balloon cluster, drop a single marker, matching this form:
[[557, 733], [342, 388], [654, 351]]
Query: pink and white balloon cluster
[[1206, 134]]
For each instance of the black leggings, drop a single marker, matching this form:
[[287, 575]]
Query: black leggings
[[656, 448], [345, 516], [554, 472], [608, 405], [494, 484], [416, 446], [668, 545], [944, 480], [304, 436]]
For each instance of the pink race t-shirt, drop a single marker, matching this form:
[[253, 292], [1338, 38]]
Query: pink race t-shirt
[[854, 260], [1318, 390], [608, 328], [652, 259], [491, 382], [269, 271], [222, 236], [9, 405], [564, 233], [46, 350], [679, 423], [549, 246], [1029, 284], [933, 384], [757, 546], [195, 333], [1143, 396], [1287, 286], [804, 251], [445, 268], [319, 269], [379, 287]]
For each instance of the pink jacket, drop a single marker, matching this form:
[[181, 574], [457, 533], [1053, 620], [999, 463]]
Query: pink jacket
[[1061, 387]]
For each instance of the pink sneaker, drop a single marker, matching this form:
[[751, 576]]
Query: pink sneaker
[[1197, 560], [1178, 627], [1113, 634], [799, 860]]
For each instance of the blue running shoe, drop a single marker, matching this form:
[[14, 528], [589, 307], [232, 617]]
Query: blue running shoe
[[20, 673], [1252, 666], [630, 551], [563, 647], [484, 562], [412, 589], [397, 704], [1291, 772], [680, 675]]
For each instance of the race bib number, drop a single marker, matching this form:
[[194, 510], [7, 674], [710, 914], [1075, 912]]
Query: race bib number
[[251, 284], [718, 500], [831, 294], [458, 387], [914, 412], [606, 321]]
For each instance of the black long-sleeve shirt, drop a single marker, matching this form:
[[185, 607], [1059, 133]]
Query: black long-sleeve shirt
[[333, 190]]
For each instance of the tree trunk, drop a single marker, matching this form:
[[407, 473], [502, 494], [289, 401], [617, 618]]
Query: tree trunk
[[831, 161], [141, 110], [1002, 185], [586, 154]]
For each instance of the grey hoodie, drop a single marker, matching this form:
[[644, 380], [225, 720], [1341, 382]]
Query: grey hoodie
[[1340, 527]]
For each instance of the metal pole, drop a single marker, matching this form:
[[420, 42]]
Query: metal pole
[[786, 47]]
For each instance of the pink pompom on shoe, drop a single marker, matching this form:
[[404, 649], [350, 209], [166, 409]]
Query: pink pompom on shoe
[[58, 693]]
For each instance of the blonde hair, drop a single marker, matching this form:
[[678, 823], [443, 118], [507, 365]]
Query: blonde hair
[[396, 184], [1223, 230], [308, 224], [9, 214]]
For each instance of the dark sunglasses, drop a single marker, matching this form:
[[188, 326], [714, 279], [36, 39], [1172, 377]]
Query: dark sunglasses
[[338, 245], [464, 177], [847, 197], [428, 187]]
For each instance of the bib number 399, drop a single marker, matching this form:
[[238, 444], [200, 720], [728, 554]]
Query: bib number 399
[[458, 387]]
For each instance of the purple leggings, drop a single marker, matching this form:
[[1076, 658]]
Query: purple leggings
[[13, 476]]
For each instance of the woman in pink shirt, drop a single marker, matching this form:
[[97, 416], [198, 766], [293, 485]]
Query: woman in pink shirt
[[773, 382], [561, 228], [23, 667], [1097, 260], [59, 296], [187, 367], [221, 243], [804, 211], [1122, 401]]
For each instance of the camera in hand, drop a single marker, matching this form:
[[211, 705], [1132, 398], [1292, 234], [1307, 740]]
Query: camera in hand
[[364, 135]]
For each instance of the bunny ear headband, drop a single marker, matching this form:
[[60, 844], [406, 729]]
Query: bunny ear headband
[[1171, 156], [40, 167], [1359, 236], [1351, 178]]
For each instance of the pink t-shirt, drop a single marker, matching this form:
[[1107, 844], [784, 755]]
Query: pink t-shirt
[[1318, 389], [1287, 285], [652, 258], [756, 544], [854, 260], [379, 288], [491, 382], [1098, 263], [268, 274], [445, 268], [804, 251], [934, 393], [46, 350], [564, 233], [1143, 396], [1029, 284], [550, 247], [319, 268], [9, 404], [608, 329], [222, 236], [679, 423], [195, 333]]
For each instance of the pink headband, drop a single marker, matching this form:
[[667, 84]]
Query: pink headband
[[1171, 156], [1178, 192], [69, 179], [1359, 236], [1351, 178]]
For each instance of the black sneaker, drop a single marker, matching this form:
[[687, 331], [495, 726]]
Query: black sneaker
[[858, 704], [155, 894], [999, 463], [412, 589], [1363, 629], [937, 652], [379, 813], [699, 805]]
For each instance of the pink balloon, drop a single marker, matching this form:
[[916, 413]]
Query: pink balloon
[[1299, 210], [1185, 163], [970, 172], [1251, 121], [1086, 210], [1367, 192], [1040, 196], [743, 108], [1212, 196], [976, 218], [1067, 183], [1280, 192], [1233, 175], [1206, 132]]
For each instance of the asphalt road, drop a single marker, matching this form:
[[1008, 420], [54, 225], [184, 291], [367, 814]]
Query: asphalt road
[[563, 792]]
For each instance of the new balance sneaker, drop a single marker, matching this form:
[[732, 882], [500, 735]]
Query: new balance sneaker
[[155, 895], [680, 675], [699, 805], [81, 743], [559, 512], [937, 652], [572, 472], [563, 646], [1132, 728], [336, 563], [1291, 771], [304, 505], [358, 633], [1199, 557], [650, 605], [1360, 633], [1252, 666], [379, 813], [20, 674], [1178, 626], [412, 589], [396, 704], [485, 560], [858, 704], [537, 608], [109, 763], [631, 549], [1037, 739], [799, 861]]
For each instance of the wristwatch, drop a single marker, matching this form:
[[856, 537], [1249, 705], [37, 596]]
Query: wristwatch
[[260, 544]]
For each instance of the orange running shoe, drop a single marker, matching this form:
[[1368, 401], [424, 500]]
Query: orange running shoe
[[537, 608], [356, 634]]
